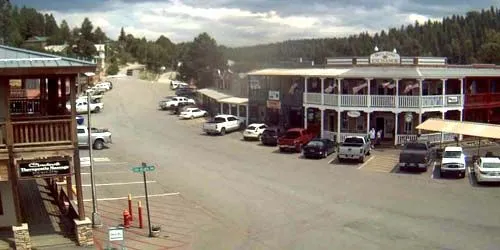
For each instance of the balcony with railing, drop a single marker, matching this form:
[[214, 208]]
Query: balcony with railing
[[55, 131], [486, 100]]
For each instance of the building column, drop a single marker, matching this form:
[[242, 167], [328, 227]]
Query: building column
[[443, 114], [462, 87], [419, 121], [339, 117], [369, 101], [461, 137], [221, 108], [420, 91], [443, 83], [305, 90], [238, 111], [306, 110], [396, 127], [396, 102], [322, 91], [339, 91], [368, 122], [322, 119]]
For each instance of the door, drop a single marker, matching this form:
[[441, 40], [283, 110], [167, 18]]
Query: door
[[83, 138], [233, 123], [380, 124]]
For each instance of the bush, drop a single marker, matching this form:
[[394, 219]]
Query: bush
[[112, 69]]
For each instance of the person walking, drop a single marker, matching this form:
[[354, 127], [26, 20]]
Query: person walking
[[379, 137], [372, 137]]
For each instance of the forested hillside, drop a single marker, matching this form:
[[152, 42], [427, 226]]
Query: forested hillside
[[462, 39]]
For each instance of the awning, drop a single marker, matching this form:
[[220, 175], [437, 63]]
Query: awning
[[89, 74], [234, 100], [476, 129], [213, 94], [318, 72]]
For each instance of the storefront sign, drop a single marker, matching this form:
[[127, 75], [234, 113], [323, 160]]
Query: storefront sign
[[385, 57], [41, 169], [452, 100], [272, 104], [274, 95], [353, 114]]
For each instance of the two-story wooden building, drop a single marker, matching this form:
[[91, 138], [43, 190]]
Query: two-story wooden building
[[383, 91], [37, 133]]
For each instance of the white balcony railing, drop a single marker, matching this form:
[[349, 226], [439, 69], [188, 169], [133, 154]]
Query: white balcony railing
[[432, 101], [401, 139], [453, 101], [388, 101], [331, 100], [313, 98], [354, 100], [408, 101]]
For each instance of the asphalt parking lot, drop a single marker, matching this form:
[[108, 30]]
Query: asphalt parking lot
[[220, 192]]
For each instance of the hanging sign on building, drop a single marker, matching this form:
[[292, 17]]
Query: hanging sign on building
[[353, 114], [273, 104], [42, 169], [452, 100], [274, 95], [385, 57]]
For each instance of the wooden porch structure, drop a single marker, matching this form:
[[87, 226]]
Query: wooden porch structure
[[35, 125]]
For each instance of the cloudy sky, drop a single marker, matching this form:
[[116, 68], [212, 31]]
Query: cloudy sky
[[249, 22]]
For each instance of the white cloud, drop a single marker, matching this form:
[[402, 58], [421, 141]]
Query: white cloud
[[236, 26]]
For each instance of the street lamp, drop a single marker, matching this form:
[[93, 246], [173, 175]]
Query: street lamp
[[96, 221]]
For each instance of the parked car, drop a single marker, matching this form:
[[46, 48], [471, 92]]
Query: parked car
[[319, 148], [487, 169], [186, 92], [93, 98], [354, 148], [174, 84], [415, 155], [294, 139], [175, 101], [254, 131], [99, 137], [180, 108], [104, 86], [82, 107], [191, 113], [270, 136], [453, 161], [221, 124]]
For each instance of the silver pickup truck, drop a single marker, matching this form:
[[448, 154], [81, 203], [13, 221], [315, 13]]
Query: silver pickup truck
[[355, 148], [100, 137]]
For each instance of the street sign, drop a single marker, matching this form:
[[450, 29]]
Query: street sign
[[143, 169], [115, 234]]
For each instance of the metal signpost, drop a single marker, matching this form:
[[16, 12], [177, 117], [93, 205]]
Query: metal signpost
[[96, 222], [116, 234], [143, 169]]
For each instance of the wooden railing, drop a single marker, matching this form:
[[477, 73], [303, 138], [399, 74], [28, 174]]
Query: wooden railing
[[313, 98], [42, 132], [24, 106]]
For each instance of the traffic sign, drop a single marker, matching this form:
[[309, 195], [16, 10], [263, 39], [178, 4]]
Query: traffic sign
[[143, 169]]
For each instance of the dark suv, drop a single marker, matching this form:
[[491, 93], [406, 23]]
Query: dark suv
[[270, 136]]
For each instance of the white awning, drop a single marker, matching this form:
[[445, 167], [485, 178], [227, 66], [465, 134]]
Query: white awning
[[319, 72], [234, 100], [89, 74], [213, 94], [476, 129]]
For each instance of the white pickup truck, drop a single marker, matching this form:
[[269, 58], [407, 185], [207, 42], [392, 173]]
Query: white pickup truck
[[175, 101], [222, 124], [99, 137], [81, 106], [453, 161], [355, 148]]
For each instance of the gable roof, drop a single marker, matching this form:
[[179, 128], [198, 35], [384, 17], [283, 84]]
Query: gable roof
[[15, 58]]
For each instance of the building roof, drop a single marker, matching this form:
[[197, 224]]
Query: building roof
[[314, 72], [15, 58], [476, 129], [234, 100], [214, 94], [381, 72]]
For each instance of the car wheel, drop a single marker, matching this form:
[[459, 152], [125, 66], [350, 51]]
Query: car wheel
[[339, 159], [369, 152], [362, 159], [325, 154], [98, 145], [245, 138], [192, 117], [223, 131], [259, 137], [97, 110], [402, 169]]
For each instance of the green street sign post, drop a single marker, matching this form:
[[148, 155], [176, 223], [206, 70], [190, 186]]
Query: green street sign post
[[143, 169]]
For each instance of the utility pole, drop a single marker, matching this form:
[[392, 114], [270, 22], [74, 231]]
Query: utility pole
[[96, 221]]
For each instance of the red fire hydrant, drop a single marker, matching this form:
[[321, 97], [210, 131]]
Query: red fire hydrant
[[126, 218]]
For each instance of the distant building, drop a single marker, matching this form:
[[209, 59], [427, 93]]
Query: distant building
[[99, 59], [36, 42]]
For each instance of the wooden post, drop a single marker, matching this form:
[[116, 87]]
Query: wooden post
[[76, 155], [12, 168]]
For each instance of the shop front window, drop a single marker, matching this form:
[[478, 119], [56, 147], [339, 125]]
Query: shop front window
[[234, 109], [243, 111]]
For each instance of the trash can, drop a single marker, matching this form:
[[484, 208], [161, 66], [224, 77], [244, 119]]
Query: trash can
[[80, 120]]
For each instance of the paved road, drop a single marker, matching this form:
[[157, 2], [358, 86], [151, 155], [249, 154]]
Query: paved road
[[248, 196]]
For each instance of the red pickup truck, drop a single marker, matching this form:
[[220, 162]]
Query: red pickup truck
[[294, 139]]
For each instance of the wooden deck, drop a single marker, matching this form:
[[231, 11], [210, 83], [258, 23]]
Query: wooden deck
[[48, 227]]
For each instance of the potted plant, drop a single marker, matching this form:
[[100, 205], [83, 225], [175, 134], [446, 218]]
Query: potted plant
[[155, 230]]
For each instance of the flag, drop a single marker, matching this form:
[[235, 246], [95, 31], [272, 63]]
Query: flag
[[386, 84], [359, 87], [409, 87], [329, 89], [391, 86], [292, 88]]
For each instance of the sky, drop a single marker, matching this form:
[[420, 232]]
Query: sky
[[249, 22]]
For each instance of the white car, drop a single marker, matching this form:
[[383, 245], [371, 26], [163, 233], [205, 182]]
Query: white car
[[487, 169], [104, 86], [191, 113], [254, 131], [176, 84], [176, 100], [222, 124], [81, 106], [453, 161]]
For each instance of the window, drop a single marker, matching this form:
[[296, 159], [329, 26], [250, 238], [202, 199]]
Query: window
[[408, 127], [344, 120], [231, 119], [243, 111], [81, 131], [234, 109], [360, 125], [32, 83]]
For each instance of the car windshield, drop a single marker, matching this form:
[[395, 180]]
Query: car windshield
[[251, 128], [292, 134], [315, 143], [491, 165], [354, 140], [416, 146], [219, 120], [452, 154]]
